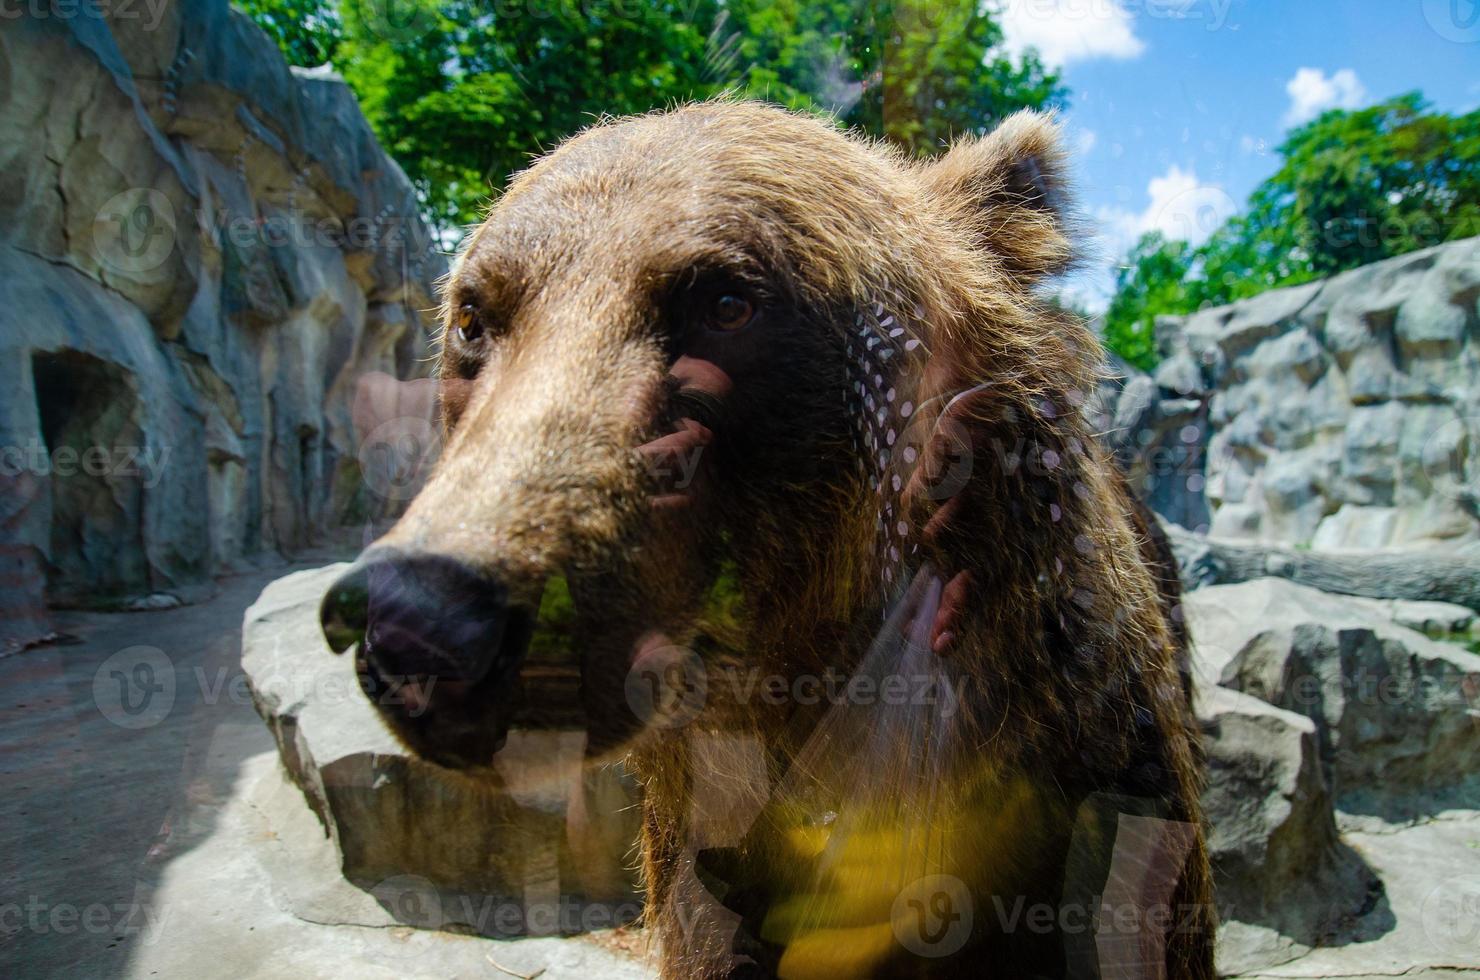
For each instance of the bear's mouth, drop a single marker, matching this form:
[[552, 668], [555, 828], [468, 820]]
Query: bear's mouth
[[452, 721]]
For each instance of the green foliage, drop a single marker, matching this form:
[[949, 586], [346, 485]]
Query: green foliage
[[916, 72], [1151, 282], [1355, 186], [1361, 186], [554, 632], [555, 622], [308, 31], [463, 93]]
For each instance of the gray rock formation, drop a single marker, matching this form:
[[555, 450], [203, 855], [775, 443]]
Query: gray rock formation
[[1332, 727], [1284, 879], [1395, 712], [1338, 414], [202, 252]]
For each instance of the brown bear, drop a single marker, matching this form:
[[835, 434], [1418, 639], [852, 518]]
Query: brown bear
[[730, 358]]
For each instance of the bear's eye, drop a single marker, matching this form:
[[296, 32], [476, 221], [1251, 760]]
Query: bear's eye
[[469, 323], [729, 311]]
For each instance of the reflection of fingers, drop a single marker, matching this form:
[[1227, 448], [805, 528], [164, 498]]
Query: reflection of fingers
[[945, 515], [947, 618], [690, 436], [945, 465], [673, 461]]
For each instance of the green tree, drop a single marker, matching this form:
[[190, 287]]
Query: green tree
[[307, 31], [1152, 281], [464, 92], [1353, 187], [916, 72], [1363, 185]]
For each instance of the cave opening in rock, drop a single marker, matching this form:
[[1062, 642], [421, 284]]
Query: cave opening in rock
[[91, 460]]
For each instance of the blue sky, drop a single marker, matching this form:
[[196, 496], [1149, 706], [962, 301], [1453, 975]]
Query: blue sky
[[1177, 106]]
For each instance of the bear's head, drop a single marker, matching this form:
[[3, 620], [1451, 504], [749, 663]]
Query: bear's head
[[724, 342]]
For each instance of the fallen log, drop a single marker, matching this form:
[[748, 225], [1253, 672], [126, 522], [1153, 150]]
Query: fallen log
[[1395, 574]]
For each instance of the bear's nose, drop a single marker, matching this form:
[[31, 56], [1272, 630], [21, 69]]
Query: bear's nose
[[418, 617]]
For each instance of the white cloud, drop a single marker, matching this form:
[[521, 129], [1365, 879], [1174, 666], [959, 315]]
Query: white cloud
[[1070, 30], [1178, 205], [1312, 92], [1085, 140]]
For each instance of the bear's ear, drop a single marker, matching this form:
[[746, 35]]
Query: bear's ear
[[1009, 188]]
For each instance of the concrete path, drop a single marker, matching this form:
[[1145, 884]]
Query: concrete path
[[146, 830]]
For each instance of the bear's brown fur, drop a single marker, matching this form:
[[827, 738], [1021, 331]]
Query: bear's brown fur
[[577, 323]]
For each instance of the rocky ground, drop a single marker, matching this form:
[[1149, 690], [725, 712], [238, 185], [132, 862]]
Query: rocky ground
[[1346, 838], [169, 842]]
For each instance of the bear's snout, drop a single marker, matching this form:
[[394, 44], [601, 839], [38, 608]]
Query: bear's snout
[[439, 649]]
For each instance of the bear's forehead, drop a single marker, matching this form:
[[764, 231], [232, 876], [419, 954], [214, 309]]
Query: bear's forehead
[[718, 180]]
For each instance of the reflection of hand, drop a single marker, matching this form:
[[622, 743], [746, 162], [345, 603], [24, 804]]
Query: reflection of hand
[[948, 445], [381, 398], [673, 460]]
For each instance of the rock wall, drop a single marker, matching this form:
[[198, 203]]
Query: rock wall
[[202, 252], [1339, 414]]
